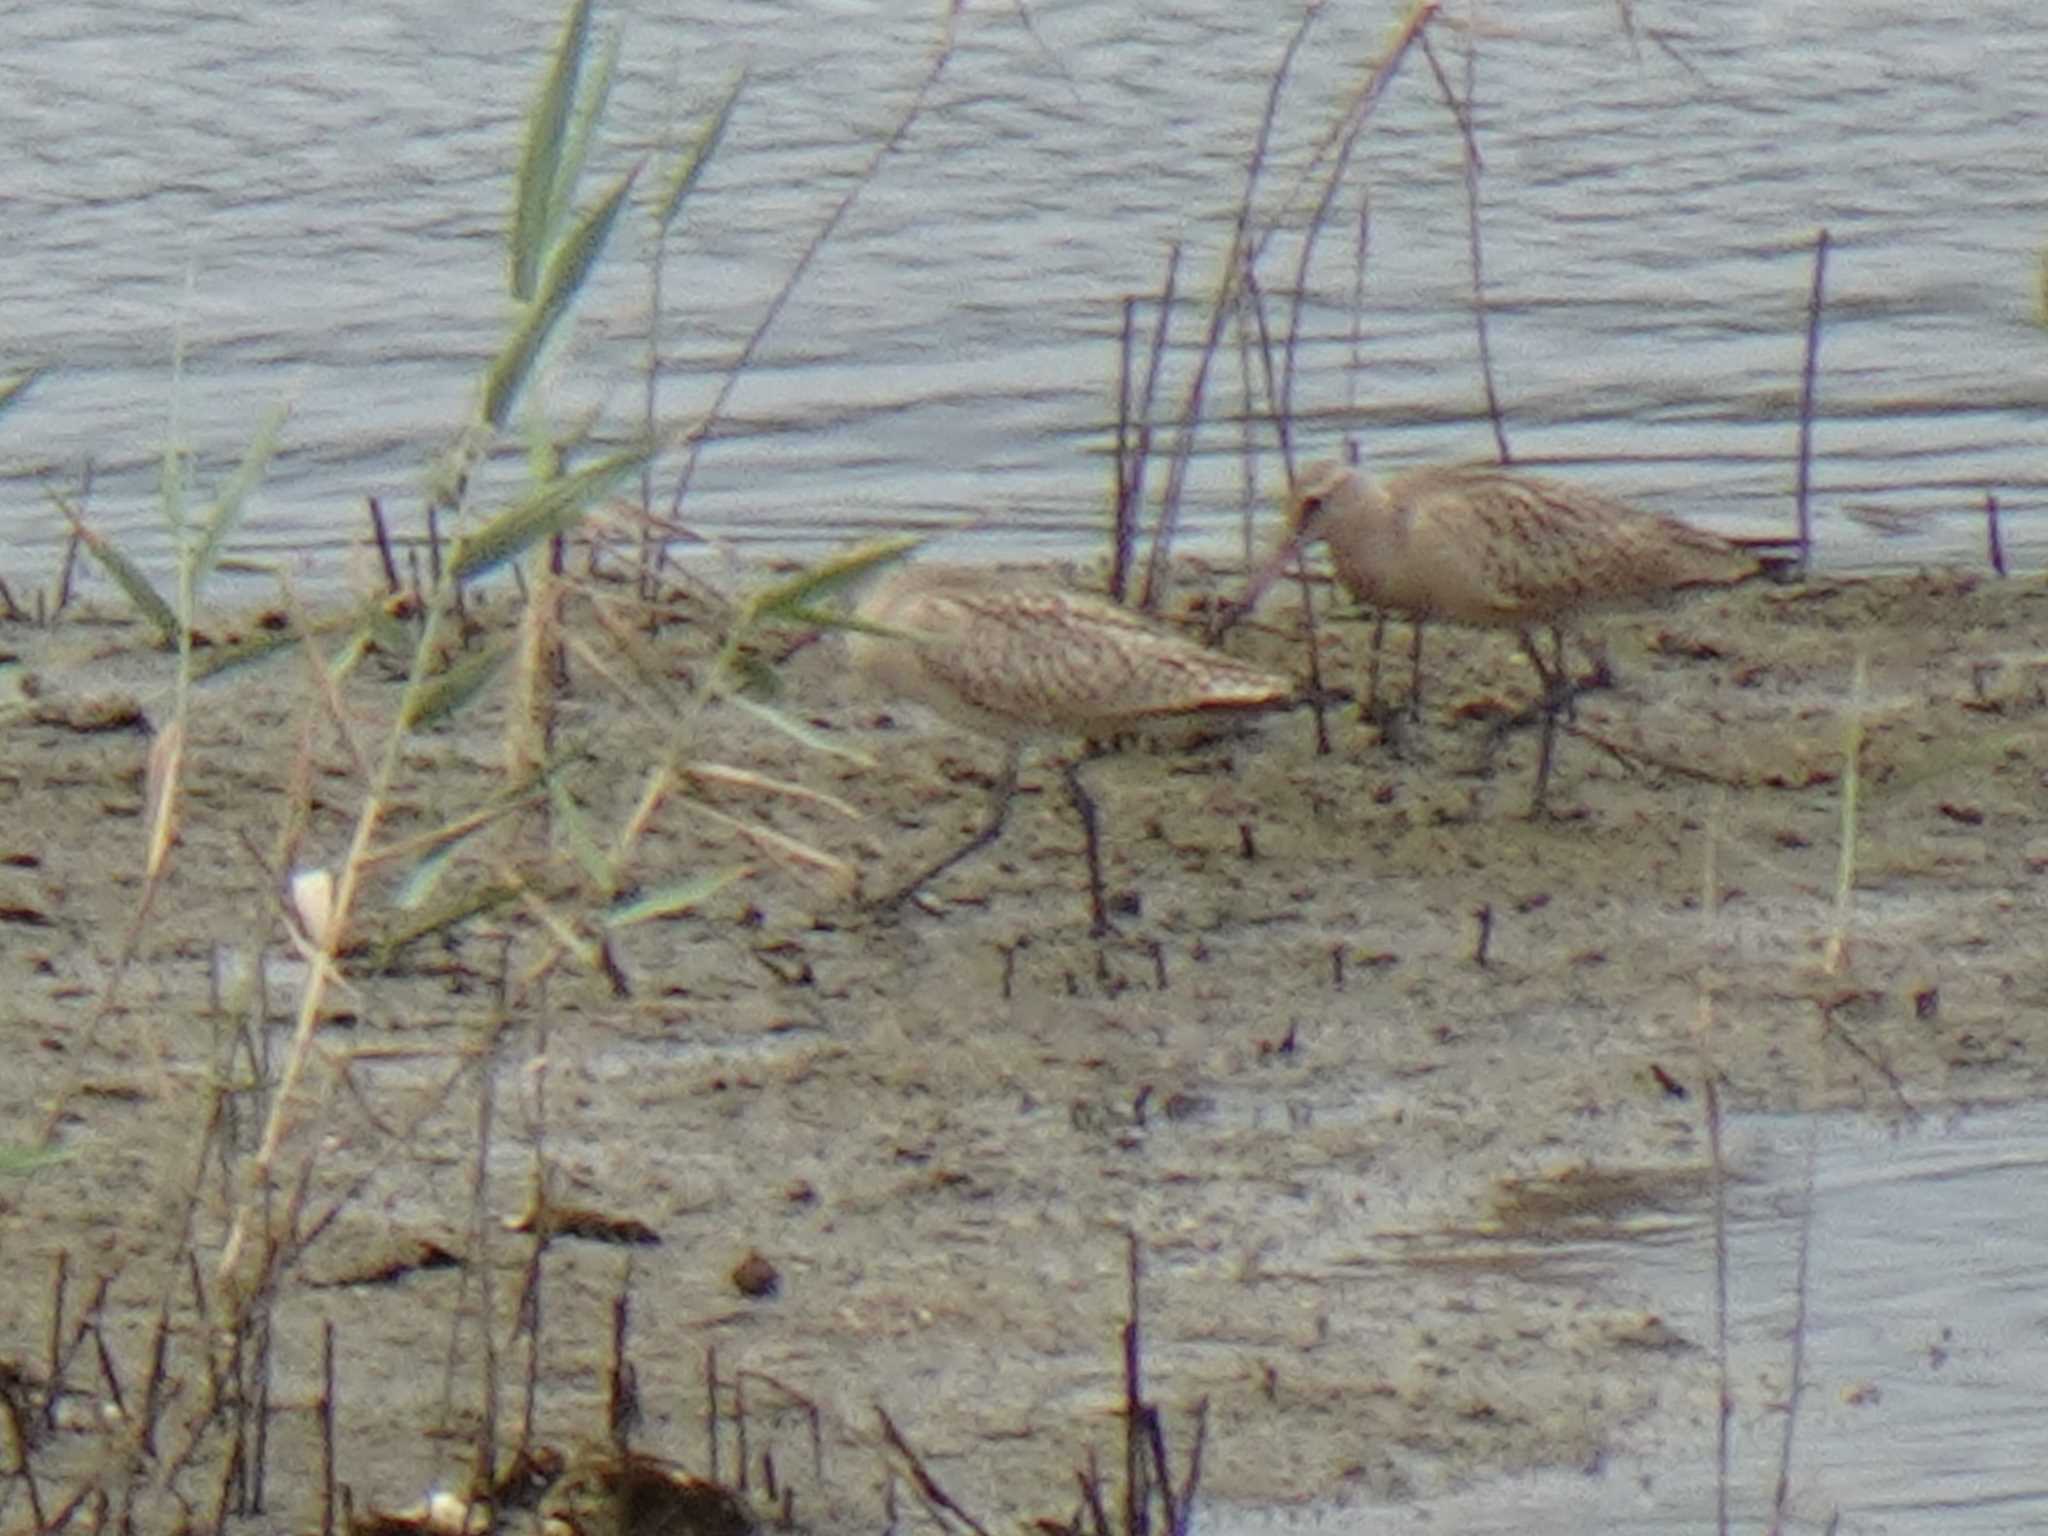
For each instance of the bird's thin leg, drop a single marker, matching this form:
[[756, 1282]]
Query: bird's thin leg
[[1000, 794], [1369, 706], [1555, 697], [1601, 674], [1562, 668], [1084, 807], [1415, 672]]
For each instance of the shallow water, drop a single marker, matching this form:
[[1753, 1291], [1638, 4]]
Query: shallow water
[[1924, 1345], [317, 212]]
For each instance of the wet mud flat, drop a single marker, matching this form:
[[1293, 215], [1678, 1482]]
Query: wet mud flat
[[1375, 1068]]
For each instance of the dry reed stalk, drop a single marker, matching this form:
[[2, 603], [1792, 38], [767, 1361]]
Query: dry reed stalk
[[1461, 111], [1809, 372], [1708, 1052], [1235, 260], [695, 438], [1836, 952], [1141, 446]]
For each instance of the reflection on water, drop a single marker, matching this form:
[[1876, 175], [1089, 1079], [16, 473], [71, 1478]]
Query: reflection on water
[[318, 211], [1924, 1360]]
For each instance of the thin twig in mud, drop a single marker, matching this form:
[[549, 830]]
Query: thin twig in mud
[[15, 1407], [1717, 1161], [1091, 1495], [1247, 441], [14, 613], [1252, 297], [1141, 448], [484, 1472], [1226, 618], [326, 1411], [1361, 249], [1801, 1289], [934, 1496], [739, 1428], [813, 1415], [1808, 373], [382, 535], [622, 1396], [711, 1410], [434, 543], [1136, 1499], [1636, 757], [67, 572], [1236, 259], [1192, 1483], [53, 1370], [1993, 539], [1462, 111], [1836, 950], [1124, 524], [1724, 1388], [529, 1310], [701, 432]]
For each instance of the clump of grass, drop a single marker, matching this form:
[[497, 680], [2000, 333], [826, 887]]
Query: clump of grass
[[564, 880]]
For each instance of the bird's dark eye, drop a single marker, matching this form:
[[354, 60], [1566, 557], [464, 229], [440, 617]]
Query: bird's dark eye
[[1311, 505]]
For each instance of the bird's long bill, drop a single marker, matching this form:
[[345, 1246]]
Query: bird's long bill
[[1275, 567]]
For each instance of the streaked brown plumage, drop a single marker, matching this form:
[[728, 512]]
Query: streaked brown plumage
[[1021, 660], [1489, 545]]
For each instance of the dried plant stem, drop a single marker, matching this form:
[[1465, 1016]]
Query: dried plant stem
[[1808, 374], [1836, 952], [1717, 1163], [1801, 1291], [942, 55], [1236, 260], [1461, 110], [1141, 445], [1342, 136], [326, 947]]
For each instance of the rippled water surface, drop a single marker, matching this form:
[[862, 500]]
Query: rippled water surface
[[314, 195], [1923, 1349]]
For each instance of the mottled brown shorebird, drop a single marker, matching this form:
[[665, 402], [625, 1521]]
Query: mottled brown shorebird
[[1020, 660], [1490, 546]]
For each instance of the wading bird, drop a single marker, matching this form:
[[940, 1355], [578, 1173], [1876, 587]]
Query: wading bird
[[1020, 660], [1490, 546]]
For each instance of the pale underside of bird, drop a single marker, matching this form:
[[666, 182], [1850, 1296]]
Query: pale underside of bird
[[1021, 660], [1487, 545]]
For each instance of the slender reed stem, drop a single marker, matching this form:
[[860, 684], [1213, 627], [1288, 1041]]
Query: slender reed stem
[[1808, 373]]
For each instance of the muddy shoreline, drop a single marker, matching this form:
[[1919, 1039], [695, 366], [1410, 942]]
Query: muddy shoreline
[[1357, 1156]]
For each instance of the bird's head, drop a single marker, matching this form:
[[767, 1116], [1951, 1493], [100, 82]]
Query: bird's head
[[1319, 491]]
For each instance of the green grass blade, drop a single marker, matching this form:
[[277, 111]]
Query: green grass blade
[[461, 909], [540, 160], [567, 266], [593, 93], [439, 697], [16, 387], [245, 652], [234, 496], [794, 600], [810, 739], [25, 1160], [552, 509], [128, 576], [575, 829], [668, 900], [697, 156]]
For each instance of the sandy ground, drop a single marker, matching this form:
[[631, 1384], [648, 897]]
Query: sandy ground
[[1364, 1165]]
